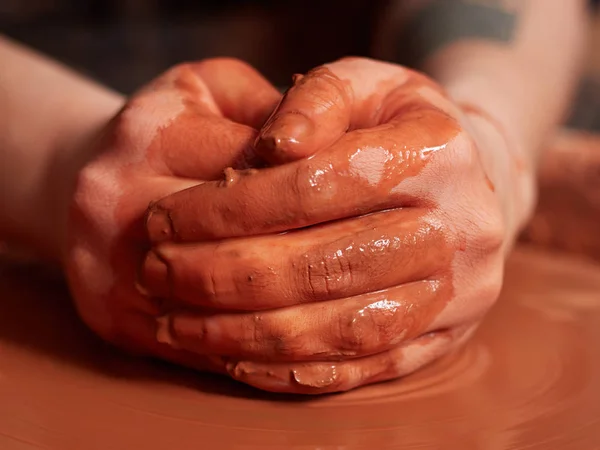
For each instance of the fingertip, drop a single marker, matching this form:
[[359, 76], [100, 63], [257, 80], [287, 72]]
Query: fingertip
[[285, 137], [159, 225]]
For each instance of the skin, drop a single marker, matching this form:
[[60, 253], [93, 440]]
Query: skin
[[359, 318], [181, 130], [374, 242], [537, 61], [47, 116]]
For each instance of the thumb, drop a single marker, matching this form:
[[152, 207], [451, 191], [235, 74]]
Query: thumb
[[314, 113]]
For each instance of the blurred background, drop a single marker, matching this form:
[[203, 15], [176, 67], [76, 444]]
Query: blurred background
[[125, 43]]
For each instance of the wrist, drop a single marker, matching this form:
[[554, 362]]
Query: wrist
[[71, 150], [513, 180], [46, 112]]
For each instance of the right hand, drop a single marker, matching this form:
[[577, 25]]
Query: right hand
[[185, 127]]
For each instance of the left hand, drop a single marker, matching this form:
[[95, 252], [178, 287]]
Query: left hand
[[377, 247], [185, 127]]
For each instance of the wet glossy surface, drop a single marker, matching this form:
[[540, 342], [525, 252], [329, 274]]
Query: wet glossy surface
[[386, 191], [530, 378]]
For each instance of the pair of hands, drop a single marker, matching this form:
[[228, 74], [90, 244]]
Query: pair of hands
[[349, 233]]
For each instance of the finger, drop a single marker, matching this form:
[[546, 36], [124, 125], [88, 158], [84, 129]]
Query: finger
[[346, 328], [332, 261], [179, 130], [313, 114], [136, 335], [334, 376], [352, 93], [361, 173], [242, 94], [200, 147]]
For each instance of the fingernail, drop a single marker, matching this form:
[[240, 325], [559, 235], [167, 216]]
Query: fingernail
[[164, 334], [154, 278], [159, 225], [283, 134], [315, 376]]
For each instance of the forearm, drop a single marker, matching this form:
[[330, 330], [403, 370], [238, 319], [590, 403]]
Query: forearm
[[45, 112], [515, 61]]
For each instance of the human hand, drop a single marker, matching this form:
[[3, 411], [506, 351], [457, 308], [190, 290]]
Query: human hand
[[187, 126], [401, 206]]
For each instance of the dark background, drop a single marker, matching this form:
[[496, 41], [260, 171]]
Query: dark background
[[125, 43]]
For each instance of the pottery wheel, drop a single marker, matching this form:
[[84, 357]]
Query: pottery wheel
[[530, 378]]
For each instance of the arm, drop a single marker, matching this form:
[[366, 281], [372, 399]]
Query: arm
[[45, 112], [516, 61]]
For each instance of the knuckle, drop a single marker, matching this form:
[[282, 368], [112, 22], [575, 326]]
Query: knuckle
[[326, 90], [458, 161], [488, 292], [485, 285], [489, 233], [465, 157], [93, 189], [367, 330], [327, 273]]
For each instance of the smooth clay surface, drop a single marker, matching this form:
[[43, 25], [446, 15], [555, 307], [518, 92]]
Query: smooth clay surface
[[530, 378]]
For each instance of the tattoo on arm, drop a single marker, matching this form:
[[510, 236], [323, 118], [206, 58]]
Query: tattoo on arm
[[443, 22]]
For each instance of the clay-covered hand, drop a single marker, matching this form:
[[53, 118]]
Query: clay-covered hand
[[379, 235], [186, 126]]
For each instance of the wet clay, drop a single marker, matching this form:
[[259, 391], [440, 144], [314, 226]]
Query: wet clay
[[528, 378]]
